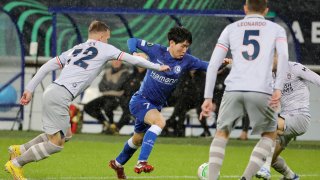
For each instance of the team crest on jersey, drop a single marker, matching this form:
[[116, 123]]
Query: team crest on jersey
[[149, 44], [289, 76], [177, 69]]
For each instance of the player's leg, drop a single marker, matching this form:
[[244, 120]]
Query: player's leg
[[156, 121], [263, 121], [55, 118], [288, 127], [128, 150], [36, 152], [17, 150], [231, 111], [245, 128], [265, 173]]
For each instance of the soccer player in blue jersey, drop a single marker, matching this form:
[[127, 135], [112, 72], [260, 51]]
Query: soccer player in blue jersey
[[147, 103]]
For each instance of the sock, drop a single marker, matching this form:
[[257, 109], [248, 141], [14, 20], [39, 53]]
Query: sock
[[40, 138], [267, 164], [36, 153], [148, 142], [258, 157], [128, 150], [281, 166], [216, 156]]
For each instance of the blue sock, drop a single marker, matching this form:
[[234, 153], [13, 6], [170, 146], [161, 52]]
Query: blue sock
[[148, 141], [128, 150]]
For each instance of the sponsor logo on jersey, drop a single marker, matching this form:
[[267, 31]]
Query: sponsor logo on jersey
[[288, 76], [287, 89], [177, 69], [163, 79]]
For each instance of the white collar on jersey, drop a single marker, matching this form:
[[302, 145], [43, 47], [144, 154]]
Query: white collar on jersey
[[254, 16]]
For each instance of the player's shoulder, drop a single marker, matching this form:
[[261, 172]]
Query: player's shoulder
[[189, 58], [106, 47], [294, 64], [274, 24], [157, 47], [297, 67]]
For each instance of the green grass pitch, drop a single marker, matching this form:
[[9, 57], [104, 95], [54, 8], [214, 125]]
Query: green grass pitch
[[86, 157]]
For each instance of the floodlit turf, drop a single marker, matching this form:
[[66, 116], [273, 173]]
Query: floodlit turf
[[86, 157]]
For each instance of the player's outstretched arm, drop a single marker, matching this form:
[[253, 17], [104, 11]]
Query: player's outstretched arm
[[49, 66], [139, 61]]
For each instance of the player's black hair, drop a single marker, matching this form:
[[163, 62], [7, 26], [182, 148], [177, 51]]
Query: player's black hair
[[179, 35]]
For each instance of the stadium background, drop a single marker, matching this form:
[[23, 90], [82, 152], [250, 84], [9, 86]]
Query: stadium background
[[34, 20]]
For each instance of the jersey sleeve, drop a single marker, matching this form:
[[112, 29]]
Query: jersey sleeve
[[197, 64], [64, 57], [219, 53], [223, 41], [49, 66], [139, 61], [113, 53], [134, 44], [282, 51], [306, 74]]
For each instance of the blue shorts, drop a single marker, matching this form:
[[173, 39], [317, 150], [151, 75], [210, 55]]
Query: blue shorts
[[139, 106]]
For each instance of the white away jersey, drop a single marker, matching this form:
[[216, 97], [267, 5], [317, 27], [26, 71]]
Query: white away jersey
[[295, 94], [83, 63], [252, 42]]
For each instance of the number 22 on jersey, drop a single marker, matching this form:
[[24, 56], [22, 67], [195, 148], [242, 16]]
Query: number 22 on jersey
[[87, 54]]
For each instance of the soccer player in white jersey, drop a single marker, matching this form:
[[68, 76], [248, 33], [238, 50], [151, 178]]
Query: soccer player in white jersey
[[80, 66], [249, 86], [294, 118]]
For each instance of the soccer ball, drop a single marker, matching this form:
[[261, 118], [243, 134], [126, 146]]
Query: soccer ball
[[203, 171]]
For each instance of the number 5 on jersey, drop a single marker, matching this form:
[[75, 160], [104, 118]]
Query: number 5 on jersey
[[247, 41]]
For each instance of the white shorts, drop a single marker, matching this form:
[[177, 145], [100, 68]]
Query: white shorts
[[235, 104], [295, 125], [55, 109]]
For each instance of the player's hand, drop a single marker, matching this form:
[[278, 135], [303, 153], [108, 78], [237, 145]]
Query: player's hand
[[207, 108], [274, 102], [164, 68], [227, 61], [26, 97]]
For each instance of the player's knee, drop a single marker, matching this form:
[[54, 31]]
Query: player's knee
[[137, 139], [161, 123]]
